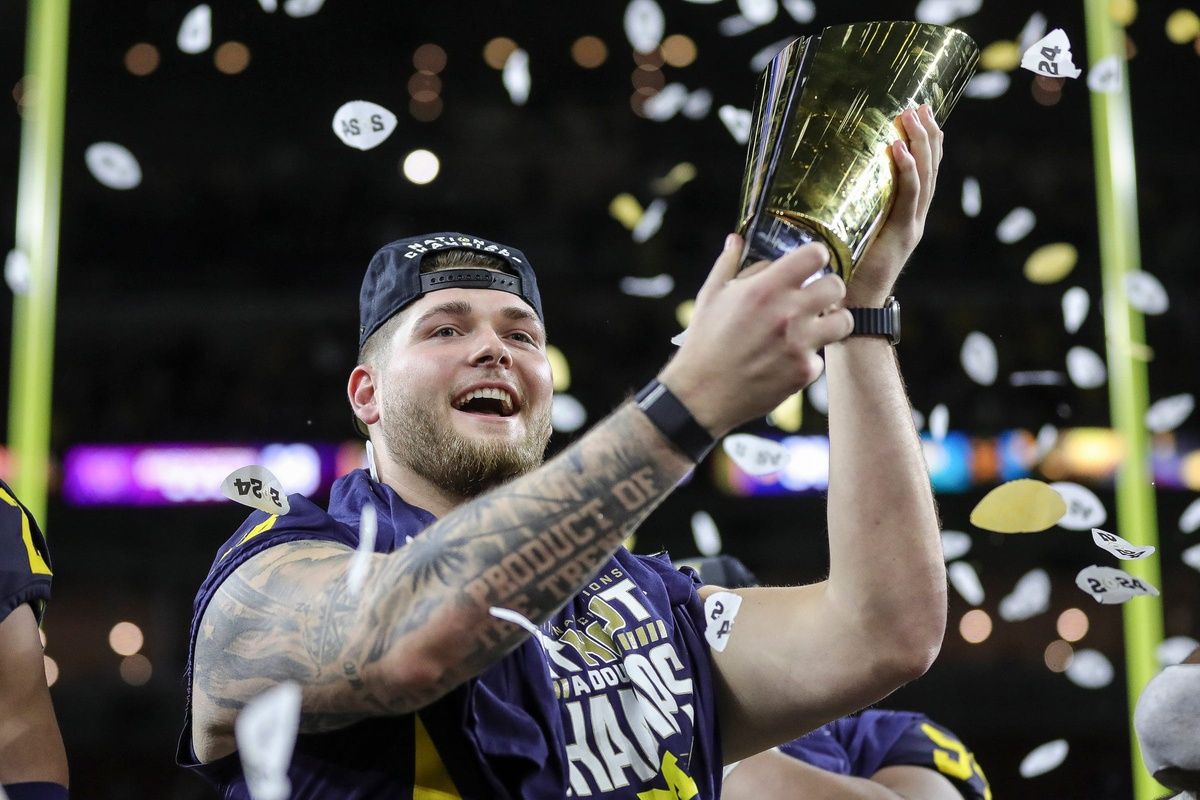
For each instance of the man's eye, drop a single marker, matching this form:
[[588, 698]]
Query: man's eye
[[444, 332], [525, 337]]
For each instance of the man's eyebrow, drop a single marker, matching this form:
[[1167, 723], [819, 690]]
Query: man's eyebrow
[[461, 308]]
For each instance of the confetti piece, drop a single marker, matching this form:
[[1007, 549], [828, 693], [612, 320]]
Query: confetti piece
[[1021, 506], [939, 422], [1030, 597], [698, 104], [515, 76], [705, 534], [987, 85], [560, 368], [516, 619], [1174, 650], [113, 165], [972, 198], [1111, 586], [567, 414], [256, 487], [965, 580], [818, 395], [658, 286], [666, 103], [1189, 520], [1119, 547], [1146, 293], [1044, 758], [1037, 377], [360, 563], [1105, 75], [759, 12], [362, 124], [1051, 263], [943, 12], [1051, 56], [978, 358], [720, 611], [1191, 556], [650, 221], [955, 544], [737, 121], [1075, 304], [625, 209], [735, 25], [1016, 225], [763, 57], [269, 6], [302, 8], [265, 731], [1033, 29], [755, 455], [680, 175], [1085, 368], [803, 11], [17, 272], [1123, 12], [1183, 26], [1169, 413], [678, 338], [1003, 55], [1090, 669], [918, 419], [684, 312], [1084, 509], [644, 25], [789, 414], [371, 470], [195, 32], [1047, 437]]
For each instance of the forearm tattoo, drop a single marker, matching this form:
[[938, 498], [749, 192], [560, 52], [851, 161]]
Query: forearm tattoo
[[528, 546]]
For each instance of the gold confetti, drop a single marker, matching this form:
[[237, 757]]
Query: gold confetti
[[1123, 12], [1020, 506], [680, 175], [1183, 26], [626, 210], [559, 368], [1051, 263], [1003, 55], [789, 414], [684, 311]]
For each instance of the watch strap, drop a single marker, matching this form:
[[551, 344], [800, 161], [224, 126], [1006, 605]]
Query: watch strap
[[674, 420], [878, 321]]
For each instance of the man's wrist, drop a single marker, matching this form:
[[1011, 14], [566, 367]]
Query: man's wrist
[[674, 420]]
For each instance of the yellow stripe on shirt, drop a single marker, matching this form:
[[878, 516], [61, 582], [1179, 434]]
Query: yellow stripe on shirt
[[37, 564], [431, 781], [261, 527]]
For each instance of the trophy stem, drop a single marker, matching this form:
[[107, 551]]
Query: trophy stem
[[775, 236]]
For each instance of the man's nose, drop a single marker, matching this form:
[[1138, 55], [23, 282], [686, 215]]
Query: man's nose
[[492, 349]]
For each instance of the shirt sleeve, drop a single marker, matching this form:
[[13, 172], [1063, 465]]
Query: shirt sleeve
[[924, 743], [25, 570]]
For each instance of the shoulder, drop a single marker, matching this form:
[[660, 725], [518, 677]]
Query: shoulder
[[25, 567]]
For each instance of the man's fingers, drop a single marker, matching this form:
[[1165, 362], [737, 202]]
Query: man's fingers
[[753, 269], [725, 267], [935, 134], [908, 185], [794, 268], [833, 327], [920, 148], [822, 294]]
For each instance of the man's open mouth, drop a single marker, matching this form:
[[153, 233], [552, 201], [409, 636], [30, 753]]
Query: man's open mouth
[[490, 401]]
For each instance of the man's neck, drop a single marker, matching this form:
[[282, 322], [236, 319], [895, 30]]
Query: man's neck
[[413, 488]]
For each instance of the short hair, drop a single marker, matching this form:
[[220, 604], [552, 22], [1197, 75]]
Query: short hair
[[437, 262]]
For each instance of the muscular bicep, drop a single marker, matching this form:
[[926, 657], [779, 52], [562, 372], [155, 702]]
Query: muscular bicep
[[31, 747], [917, 783]]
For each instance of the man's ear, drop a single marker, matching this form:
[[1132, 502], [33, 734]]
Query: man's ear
[[361, 391]]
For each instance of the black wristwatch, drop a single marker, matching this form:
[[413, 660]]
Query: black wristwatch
[[878, 321]]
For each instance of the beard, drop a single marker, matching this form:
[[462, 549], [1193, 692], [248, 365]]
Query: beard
[[460, 465]]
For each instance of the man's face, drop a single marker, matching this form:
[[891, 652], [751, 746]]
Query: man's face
[[465, 389]]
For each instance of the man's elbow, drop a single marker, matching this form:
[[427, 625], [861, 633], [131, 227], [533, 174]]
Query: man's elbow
[[915, 646]]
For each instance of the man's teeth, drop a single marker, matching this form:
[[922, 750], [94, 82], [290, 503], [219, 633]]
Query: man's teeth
[[489, 394]]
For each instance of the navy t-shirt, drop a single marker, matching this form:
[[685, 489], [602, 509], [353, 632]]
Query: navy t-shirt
[[25, 571], [862, 744], [613, 699]]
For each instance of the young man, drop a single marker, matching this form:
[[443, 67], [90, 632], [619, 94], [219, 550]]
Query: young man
[[414, 684], [33, 762]]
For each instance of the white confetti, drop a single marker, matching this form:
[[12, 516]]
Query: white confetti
[[650, 221], [1120, 548], [370, 456], [17, 271], [978, 358], [1016, 225], [955, 544], [1189, 520], [939, 422], [759, 12], [1051, 56], [972, 197], [195, 32], [265, 732], [1090, 669], [965, 580], [1174, 650], [737, 121], [943, 12], [755, 455], [1037, 377], [1034, 29], [668, 102], [269, 6], [1191, 556], [918, 419], [567, 414], [515, 618], [644, 25], [803, 11], [1105, 75], [302, 8], [1146, 293], [656, 287], [987, 85], [678, 338], [1169, 413], [1084, 509], [113, 165], [1044, 758], [698, 104], [362, 124], [1075, 305], [735, 25], [818, 395], [1111, 586], [763, 57], [255, 486], [705, 534], [1030, 597], [515, 76], [360, 563], [1047, 437], [1085, 368], [720, 611]]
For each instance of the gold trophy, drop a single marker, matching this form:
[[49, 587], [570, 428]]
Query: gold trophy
[[818, 166]]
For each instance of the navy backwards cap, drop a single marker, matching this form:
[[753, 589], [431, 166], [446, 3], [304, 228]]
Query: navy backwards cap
[[394, 278]]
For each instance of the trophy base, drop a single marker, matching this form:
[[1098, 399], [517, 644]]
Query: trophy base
[[773, 237]]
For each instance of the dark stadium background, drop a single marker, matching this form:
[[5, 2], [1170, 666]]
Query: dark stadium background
[[217, 303]]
